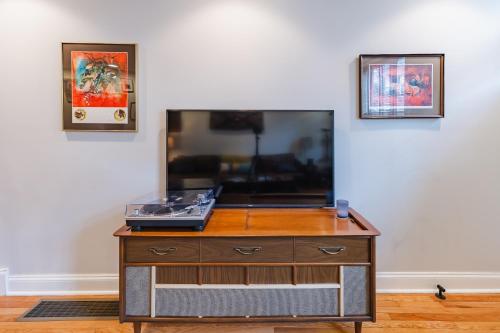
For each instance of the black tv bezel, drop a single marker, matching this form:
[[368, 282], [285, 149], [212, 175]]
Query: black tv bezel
[[328, 205]]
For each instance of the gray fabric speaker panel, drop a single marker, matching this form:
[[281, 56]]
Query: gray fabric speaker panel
[[246, 302], [356, 290], [138, 291]]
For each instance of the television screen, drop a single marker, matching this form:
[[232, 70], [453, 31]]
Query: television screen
[[253, 158]]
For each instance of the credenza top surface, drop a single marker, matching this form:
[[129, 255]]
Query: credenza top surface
[[269, 222]]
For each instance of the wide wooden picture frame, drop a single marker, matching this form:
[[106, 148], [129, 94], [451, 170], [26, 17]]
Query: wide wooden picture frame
[[393, 86], [99, 87]]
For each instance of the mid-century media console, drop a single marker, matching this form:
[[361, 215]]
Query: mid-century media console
[[251, 265]]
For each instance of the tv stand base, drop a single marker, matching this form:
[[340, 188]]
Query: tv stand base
[[251, 266]]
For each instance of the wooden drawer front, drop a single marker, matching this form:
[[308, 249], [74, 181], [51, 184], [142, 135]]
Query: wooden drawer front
[[247, 249], [162, 250], [332, 249]]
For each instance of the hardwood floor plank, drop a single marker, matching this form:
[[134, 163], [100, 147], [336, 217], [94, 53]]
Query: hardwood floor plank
[[473, 297], [11, 311], [333, 329], [472, 304], [127, 328], [397, 313], [453, 317]]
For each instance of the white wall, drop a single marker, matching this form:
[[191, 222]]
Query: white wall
[[431, 186]]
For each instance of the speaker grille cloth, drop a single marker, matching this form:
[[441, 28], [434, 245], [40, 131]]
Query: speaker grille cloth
[[246, 302], [137, 289], [356, 290]]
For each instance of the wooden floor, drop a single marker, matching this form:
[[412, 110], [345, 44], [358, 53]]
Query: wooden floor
[[396, 313]]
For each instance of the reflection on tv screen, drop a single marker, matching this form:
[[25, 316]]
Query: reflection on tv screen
[[253, 157]]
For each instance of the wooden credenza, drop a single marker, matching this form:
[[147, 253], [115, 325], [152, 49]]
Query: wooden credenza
[[251, 265]]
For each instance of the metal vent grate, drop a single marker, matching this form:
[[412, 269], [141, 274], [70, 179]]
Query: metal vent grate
[[72, 309]]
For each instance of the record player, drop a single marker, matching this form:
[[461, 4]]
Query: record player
[[179, 209]]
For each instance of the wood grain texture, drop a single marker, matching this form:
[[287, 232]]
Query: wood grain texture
[[185, 250], [121, 279], [270, 275], [271, 249], [423, 313], [308, 249], [270, 222], [177, 275], [255, 246], [223, 275], [317, 274]]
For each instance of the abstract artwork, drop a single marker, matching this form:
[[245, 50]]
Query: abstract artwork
[[399, 86], [100, 78]]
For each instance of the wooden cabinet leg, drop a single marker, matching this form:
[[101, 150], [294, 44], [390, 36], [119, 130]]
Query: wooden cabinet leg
[[137, 327], [358, 326]]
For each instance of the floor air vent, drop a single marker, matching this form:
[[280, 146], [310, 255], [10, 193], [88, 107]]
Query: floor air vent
[[72, 310]]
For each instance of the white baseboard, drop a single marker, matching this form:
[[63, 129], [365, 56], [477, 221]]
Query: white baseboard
[[63, 284], [387, 282], [4, 273], [425, 282]]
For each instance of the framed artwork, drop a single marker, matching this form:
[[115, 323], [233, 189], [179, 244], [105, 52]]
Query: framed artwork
[[99, 87], [401, 86]]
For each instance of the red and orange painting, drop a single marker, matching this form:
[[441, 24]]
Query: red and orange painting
[[99, 82], [395, 86]]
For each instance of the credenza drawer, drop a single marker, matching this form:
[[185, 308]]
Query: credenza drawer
[[254, 249], [169, 249], [332, 249]]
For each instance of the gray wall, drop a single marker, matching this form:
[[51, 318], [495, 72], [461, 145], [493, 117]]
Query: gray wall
[[431, 186], [4, 233]]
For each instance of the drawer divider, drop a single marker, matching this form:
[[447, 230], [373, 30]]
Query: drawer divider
[[200, 275], [247, 275]]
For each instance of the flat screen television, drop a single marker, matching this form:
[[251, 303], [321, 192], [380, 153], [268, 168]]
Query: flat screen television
[[253, 158]]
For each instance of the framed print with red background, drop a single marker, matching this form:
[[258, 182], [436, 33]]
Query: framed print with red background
[[99, 87]]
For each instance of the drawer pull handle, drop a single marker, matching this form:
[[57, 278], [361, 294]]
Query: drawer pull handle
[[332, 250], [162, 252], [248, 250]]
